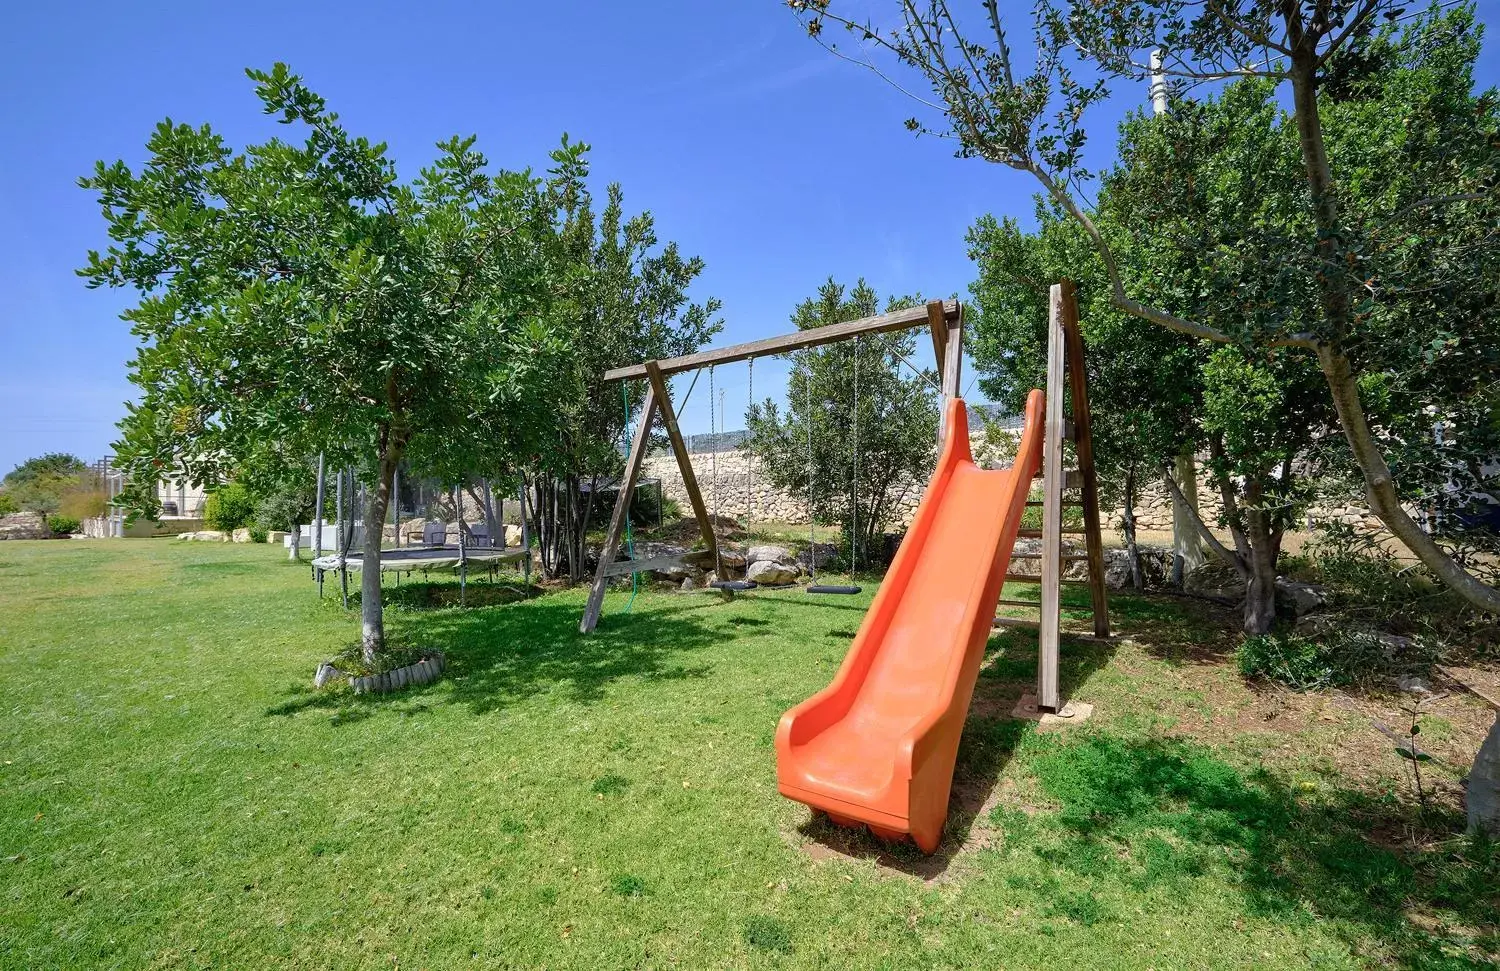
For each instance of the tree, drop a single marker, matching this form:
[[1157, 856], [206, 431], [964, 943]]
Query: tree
[[872, 432], [301, 293], [39, 484], [1407, 245], [628, 303], [1136, 431]]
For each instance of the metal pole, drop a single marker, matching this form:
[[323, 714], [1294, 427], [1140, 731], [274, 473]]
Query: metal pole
[[318, 524], [1158, 85], [396, 506], [525, 537], [343, 535], [463, 571]]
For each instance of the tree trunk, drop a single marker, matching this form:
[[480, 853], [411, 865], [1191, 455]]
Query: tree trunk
[[371, 607], [1260, 583], [1132, 551], [1380, 489], [1483, 796], [296, 550], [1187, 550]]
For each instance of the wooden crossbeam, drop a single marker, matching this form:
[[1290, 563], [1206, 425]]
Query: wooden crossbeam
[[812, 337]]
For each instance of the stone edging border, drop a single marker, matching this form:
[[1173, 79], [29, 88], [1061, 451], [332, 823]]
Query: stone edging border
[[425, 671]]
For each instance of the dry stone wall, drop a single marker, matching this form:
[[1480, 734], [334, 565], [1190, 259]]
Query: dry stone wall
[[744, 493]]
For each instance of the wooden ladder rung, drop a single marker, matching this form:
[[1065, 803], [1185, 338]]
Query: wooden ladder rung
[[1018, 603], [1066, 502], [1016, 622], [1027, 578], [1037, 533], [1066, 557]]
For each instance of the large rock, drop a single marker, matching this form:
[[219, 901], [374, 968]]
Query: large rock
[[242, 535], [771, 573], [769, 554], [512, 535], [276, 536], [1303, 598], [211, 536], [1214, 579], [1482, 798], [24, 525]]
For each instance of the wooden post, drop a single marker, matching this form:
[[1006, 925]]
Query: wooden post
[[953, 358], [937, 322], [617, 518], [1052, 480], [525, 535], [1083, 446], [684, 460]]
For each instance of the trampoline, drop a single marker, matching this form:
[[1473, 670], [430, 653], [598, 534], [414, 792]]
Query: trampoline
[[425, 559]]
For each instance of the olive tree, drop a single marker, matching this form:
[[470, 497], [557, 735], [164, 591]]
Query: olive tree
[[1412, 240]]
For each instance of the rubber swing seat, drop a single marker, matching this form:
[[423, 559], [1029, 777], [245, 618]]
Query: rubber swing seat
[[734, 584], [833, 588]]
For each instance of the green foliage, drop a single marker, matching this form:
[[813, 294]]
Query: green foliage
[[258, 534], [1300, 663], [83, 501], [229, 507], [7, 503], [1337, 657], [63, 525], [887, 439], [39, 484], [627, 302]]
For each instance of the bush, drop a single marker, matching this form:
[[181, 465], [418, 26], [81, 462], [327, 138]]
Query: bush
[[1337, 658], [63, 525], [258, 534], [228, 508], [7, 504], [85, 502]]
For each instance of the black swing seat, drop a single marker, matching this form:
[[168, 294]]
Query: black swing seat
[[833, 588], [734, 584]]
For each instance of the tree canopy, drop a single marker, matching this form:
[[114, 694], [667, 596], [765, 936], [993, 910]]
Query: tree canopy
[[870, 428], [301, 293]]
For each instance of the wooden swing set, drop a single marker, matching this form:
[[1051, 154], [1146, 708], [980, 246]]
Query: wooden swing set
[[944, 321]]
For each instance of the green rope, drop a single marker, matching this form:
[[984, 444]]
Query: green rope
[[635, 577]]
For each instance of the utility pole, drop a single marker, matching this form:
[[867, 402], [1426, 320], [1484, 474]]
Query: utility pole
[[1187, 551]]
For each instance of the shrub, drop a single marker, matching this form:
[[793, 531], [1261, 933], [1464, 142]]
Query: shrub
[[228, 508], [258, 534], [1337, 658], [7, 504], [85, 502], [63, 525]]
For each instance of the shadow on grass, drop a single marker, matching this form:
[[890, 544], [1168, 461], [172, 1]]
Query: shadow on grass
[[990, 739], [501, 655], [1143, 814]]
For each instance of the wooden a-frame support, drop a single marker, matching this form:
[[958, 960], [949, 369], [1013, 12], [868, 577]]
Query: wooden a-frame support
[[943, 317], [1065, 362]]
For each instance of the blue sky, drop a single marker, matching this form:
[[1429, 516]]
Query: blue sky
[[775, 162]]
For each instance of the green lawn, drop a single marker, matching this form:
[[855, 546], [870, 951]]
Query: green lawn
[[174, 794]]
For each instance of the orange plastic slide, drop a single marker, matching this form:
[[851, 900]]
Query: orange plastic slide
[[877, 746]]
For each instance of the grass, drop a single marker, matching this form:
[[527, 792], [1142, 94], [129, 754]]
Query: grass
[[174, 795]]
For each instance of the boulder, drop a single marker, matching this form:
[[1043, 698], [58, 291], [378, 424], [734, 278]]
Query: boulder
[[1303, 598], [326, 673], [769, 554], [1482, 797], [827, 554], [772, 573], [1214, 579], [512, 535], [24, 525], [211, 536], [241, 535], [276, 536]]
